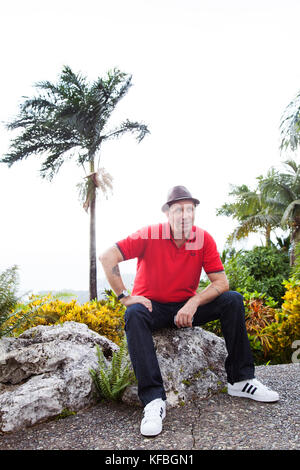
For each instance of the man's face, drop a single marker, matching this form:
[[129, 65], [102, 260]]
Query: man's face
[[181, 216]]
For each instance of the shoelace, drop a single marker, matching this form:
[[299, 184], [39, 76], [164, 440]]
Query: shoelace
[[152, 411]]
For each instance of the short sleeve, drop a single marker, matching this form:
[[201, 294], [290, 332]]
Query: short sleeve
[[134, 245], [211, 259]]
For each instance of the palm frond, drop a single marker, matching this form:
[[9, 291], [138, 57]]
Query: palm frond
[[289, 210], [128, 126]]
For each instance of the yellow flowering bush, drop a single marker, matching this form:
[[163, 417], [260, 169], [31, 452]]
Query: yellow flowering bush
[[104, 317], [286, 327]]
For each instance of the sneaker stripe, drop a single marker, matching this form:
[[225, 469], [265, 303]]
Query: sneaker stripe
[[249, 388]]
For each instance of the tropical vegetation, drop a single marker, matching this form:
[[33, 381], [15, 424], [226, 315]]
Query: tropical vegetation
[[253, 212], [274, 204], [262, 269], [282, 189]]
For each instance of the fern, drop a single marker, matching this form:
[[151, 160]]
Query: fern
[[111, 378]]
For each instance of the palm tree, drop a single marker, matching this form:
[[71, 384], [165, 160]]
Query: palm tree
[[254, 213], [283, 189], [69, 120]]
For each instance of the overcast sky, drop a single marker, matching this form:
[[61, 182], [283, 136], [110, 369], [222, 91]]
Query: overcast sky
[[210, 79]]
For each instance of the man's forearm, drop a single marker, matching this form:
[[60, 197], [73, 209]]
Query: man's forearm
[[114, 278], [210, 293]]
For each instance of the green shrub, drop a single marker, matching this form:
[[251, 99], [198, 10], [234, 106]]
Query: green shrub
[[111, 378], [262, 269]]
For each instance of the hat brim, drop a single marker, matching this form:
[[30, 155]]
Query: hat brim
[[167, 205]]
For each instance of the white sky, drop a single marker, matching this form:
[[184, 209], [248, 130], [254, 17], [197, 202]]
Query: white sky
[[211, 79]]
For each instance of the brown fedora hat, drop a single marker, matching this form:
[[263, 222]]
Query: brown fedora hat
[[178, 193]]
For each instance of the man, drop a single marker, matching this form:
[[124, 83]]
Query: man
[[170, 259]]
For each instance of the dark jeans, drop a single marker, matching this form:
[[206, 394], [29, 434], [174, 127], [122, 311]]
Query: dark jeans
[[140, 323]]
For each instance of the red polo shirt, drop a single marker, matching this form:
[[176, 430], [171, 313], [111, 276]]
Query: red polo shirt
[[166, 273]]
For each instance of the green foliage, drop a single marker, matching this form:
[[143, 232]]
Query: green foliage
[[238, 274], [111, 299], [268, 301], [214, 327], [111, 378], [261, 269]]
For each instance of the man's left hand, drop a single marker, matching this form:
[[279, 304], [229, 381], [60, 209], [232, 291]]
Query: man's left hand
[[185, 315]]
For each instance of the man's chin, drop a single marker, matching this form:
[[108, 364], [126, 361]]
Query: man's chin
[[183, 231]]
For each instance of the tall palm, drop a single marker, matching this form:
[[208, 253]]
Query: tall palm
[[283, 188], [69, 120], [254, 213]]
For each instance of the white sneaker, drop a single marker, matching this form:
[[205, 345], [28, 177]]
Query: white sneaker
[[252, 389], [154, 413]]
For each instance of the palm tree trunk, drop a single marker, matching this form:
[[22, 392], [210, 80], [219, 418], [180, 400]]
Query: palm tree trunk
[[93, 261], [268, 235]]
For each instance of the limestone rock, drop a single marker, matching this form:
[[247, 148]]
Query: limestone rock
[[191, 362], [45, 370]]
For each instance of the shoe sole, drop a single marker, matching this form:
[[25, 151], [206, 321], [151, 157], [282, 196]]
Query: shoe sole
[[151, 435], [252, 397]]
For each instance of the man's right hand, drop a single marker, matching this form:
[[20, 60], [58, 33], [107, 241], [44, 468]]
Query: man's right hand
[[137, 299]]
